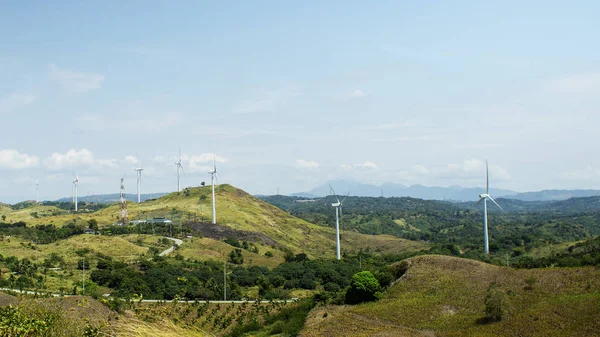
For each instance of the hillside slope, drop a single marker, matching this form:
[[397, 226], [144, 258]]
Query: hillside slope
[[444, 296], [236, 209]]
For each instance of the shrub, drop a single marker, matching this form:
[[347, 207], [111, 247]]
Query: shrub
[[400, 268], [236, 257], [364, 287], [494, 301]]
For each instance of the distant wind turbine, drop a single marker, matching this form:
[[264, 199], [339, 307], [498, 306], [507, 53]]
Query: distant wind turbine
[[484, 197], [338, 213], [75, 183], [138, 171], [179, 166], [213, 176], [37, 191]]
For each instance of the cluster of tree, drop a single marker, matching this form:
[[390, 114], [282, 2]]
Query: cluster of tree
[[242, 244], [22, 273], [585, 253], [40, 233], [163, 278], [526, 225]]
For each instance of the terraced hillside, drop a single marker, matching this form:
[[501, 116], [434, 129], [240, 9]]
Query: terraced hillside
[[444, 296]]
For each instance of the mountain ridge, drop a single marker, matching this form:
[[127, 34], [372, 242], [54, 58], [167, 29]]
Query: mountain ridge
[[450, 193]]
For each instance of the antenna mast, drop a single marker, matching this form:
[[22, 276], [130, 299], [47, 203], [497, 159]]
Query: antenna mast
[[124, 215]]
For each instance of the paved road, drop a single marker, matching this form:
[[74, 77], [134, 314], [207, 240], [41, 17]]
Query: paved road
[[28, 292], [176, 242]]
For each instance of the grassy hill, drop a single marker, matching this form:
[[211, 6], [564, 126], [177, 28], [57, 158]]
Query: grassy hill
[[444, 296], [236, 209]]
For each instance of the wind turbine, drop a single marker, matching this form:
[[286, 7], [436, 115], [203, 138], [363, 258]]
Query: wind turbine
[[484, 197], [138, 171], [37, 191], [338, 212], [179, 166], [75, 183], [213, 176]]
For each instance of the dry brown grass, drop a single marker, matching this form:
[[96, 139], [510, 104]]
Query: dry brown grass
[[444, 296]]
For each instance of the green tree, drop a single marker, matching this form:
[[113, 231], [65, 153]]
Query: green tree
[[364, 287], [236, 257], [93, 224]]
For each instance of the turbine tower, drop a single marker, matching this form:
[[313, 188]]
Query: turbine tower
[[75, 183], [338, 212], [37, 191], [213, 176], [179, 166], [484, 197], [138, 171], [124, 215]]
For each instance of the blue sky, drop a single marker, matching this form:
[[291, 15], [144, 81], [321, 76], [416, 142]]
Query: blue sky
[[290, 95]]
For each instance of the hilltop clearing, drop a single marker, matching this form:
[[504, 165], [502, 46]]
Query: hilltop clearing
[[444, 296]]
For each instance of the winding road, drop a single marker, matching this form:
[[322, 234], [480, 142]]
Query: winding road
[[176, 243]]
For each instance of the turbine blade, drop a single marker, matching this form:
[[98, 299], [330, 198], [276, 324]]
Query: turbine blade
[[479, 202], [487, 181], [494, 201], [334, 194], [345, 197]]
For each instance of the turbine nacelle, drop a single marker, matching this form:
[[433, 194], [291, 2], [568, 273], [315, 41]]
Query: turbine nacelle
[[336, 204], [484, 195]]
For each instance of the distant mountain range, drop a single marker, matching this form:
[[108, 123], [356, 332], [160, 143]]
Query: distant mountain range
[[113, 197], [451, 193], [343, 187]]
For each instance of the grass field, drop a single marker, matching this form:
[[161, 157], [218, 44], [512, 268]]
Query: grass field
[[203, 249], [235, 209], [444, 296]]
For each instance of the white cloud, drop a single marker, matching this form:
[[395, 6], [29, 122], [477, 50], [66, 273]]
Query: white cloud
[[141, 124], [585, 174], [366, 165], [202, 162], [76, 159], [306, 164], [12, 159], [473, 165], [577, 83], [470, 169], [131, 159], [357, 93], [353, 94], [393, 126], [265, 100], [12, 102], [420, 169], [76, 81]]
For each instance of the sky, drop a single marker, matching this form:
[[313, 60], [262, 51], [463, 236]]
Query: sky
[[290, 95]]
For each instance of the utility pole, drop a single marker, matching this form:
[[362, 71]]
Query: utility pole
[[225, 281], [83, 273]]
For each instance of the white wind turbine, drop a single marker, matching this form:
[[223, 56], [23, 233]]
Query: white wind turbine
[[484, 197], [213, 176], [75, 183], [138, 171], [37, 191], [338, 213], [179, 166]]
